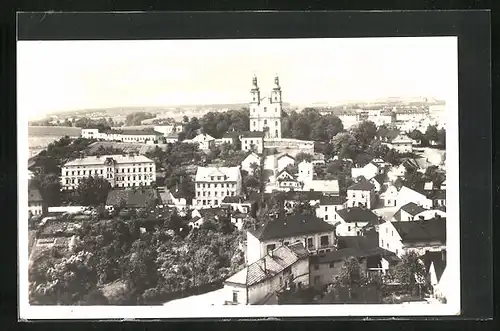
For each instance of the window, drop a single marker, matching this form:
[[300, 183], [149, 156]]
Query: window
[[310, 243], [348, 228], [270, 247], [326, 217], [316, 267], [276, 123], [101, 171], [382, 242], [78, 172], [396, 251], [332, 264], [265, 122], [386, 230], [387, 245], [204, 202], [133, 170], [235, 294], [254, 123], [123, 170], [324, 241]]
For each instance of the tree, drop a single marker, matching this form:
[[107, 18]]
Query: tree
[[431, 134], [93, 191], [50, 188], [410, 273], [364, 133], [350, 274], [441, 138], [345, 145], [137, 117], [303, 157]]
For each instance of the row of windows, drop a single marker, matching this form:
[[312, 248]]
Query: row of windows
[[118, 178], [207, 202], [215, 193], [265, 123], [100, 171], [214, 185]]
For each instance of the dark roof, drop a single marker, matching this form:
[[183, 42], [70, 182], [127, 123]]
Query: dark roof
[[412, 208], [429, 230], [291, 226], [358, 214], [132, 197], [213, 212], [135, 132], [231, 134], [362, 185], [439, 260], [252, 134], [363, 243], [380, 178], [296, 195], [285, 154], [343, 253], [34, 195], [335, 200]]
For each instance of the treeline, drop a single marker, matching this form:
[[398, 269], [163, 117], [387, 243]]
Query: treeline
[[309, 124], [114, 262], [216, 124], [136, 118]]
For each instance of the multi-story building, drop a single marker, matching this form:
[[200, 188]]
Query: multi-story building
[[252, 141], [265, 113], [213, 184], [127, 170], [203, 140], [361, 194], [137, 136]]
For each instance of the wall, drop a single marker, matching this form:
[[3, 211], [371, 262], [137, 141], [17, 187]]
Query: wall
[[355, 197], [328, 213], [284, 161], [36, 208], [350, 229], [389, 238], [254, 249], [240, 289], [316, 241]]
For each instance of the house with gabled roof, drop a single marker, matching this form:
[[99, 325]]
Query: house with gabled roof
[[413, 212], [132, 198], [246, 164], [36, 206], [327, 208], [287, 182], [352, 220], [398, 196], [368, 171], [213, 184], [284, 160], [260, 281], [310, 230], [378, 181], [401, 144], [361, 193], [418, 236], [203, 140], [252, 141]]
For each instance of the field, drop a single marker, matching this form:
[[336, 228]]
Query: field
[[39, 137]]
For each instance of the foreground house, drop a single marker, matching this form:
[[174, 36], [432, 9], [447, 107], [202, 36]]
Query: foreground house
[[260, 281], [417, 236], [313, 232], [213, 184], [126, 170]]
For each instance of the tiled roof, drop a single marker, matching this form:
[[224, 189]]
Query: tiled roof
[[437, 194], [267, 267], [391, 134], [99, 160], [429, 230], [343, 253], [291, 226], [358, 214], [362, 186], [412, 208], [34, 195], [363, 243], [252, 134], [132, 197]]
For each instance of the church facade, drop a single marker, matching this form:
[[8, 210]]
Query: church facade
[[265, 112]]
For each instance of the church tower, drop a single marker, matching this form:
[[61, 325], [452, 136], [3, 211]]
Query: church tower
[[265, 113]]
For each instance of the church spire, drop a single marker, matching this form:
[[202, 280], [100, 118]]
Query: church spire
[[276, 82], [254, 82]]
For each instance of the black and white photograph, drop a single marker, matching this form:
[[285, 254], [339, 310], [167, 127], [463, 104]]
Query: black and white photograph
[[238, 177]]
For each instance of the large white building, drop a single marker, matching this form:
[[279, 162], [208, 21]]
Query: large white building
[[265, 113], [213, 184], [134, 136], [128, 170]]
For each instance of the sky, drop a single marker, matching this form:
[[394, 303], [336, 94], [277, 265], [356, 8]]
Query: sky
[[69, 75]]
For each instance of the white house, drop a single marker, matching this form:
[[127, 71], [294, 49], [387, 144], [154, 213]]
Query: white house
[[313, 232], [353, 220], [252, 141], [287, 182], [368, 171], [413, 212], [361, 194], [260, 281], [394, 197], [284, 160], [246, 164], [328, 206], [213, 184], [172, 198], [203, 140], [306, 171], [417, 236], [401, 144], [378, 182]]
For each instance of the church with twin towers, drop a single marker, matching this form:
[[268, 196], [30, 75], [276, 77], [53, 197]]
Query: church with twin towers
[[265, 112]]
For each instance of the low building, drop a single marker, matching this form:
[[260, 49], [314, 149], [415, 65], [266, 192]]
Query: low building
[[173, 128], [413, 212], [248, 163], [260, 281], [327, 187], [328, 206], [361, 194], [231, 138], [313, 232], [126, 170], [401, 144], [352, 220], [239, 204], [287, 182], [392, 196], [252, 141], [418, 236], [172, 198], [367, 172], [213, 184], [36, 206], [171, 138], [132, 198], [291, 198], [204, 141], [284, 160]]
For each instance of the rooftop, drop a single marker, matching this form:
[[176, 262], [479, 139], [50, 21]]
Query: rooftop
[[34, 195], [100, 160], [322, 185], [228, 174], [269, 266], [362, 185], [358, 214], [291, 226], [332, 200], [429, 230]]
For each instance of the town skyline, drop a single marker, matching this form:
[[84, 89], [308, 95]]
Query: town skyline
[[91, 74]]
